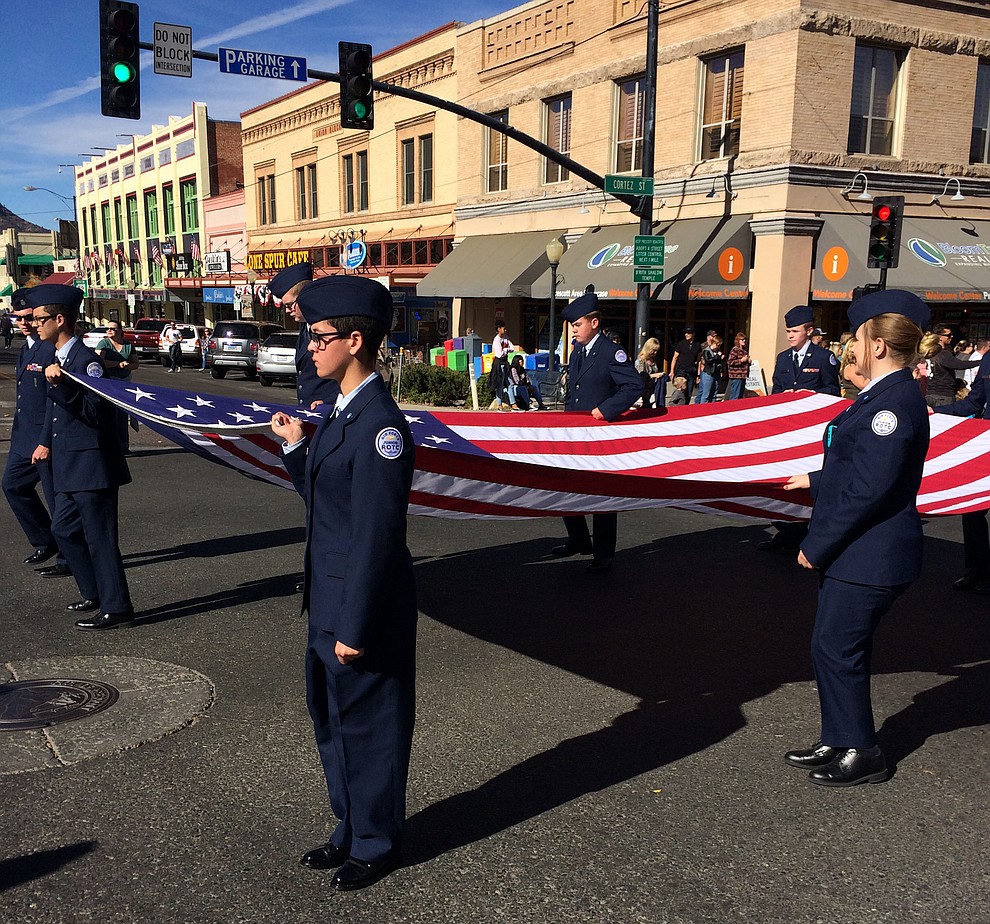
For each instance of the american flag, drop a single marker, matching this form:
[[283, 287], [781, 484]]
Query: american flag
[[96, 258], [156, 255], [137, 253], [87, 262], [194, 251], [731, 458], [108, 255]]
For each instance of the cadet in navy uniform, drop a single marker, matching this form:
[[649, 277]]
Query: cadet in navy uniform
[[311, 390], [602, 381], [30, 444], [355, 474], [88, 465], [976, 536], [865, 534], [803, 365]]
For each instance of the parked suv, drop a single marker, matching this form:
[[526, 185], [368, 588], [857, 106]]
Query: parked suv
[[146, 334], [193, 339], [234, 345], [277, 358]]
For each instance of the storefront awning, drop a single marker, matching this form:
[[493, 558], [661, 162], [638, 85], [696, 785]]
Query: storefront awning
[[60, 279], [940, 259], [6, 290], [35, 259], [705, 258], [491, 266]]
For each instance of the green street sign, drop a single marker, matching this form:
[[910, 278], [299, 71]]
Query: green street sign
[[647, 274], [628, 185], [648, 250]]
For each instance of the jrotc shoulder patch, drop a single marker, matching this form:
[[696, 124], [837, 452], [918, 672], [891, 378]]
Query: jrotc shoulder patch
[[884, 423], [94, 371], [832, 360], [389, 443], [620, 356]]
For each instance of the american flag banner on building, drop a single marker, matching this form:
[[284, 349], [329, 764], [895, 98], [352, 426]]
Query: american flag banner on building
[[194, 251], [136, 250], [96, 258], [156, 255], [87, 262], [730, 458]]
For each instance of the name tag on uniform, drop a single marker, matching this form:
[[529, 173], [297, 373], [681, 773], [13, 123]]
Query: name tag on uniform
[[34, 367]]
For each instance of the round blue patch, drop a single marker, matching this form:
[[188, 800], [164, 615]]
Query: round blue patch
[[94, 371], [389, 443]]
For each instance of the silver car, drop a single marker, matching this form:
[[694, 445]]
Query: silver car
[[277, 358], [234, 345]]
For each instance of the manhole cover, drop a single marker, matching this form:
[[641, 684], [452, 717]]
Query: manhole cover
[[40, 703]]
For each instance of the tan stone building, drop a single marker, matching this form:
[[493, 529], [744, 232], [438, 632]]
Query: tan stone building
[[776, 120], [140, 214], [378, 203]]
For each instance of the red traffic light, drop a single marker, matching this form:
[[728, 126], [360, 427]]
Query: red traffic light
[[882, 212]]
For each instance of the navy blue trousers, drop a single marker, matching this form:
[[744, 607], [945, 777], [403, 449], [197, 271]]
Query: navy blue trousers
[[602, 540], [84, 525], [841, 649], [363, 715], [20, 486]]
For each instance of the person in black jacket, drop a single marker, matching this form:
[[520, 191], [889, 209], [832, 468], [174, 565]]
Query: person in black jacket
[[942, 369], [865, 537]]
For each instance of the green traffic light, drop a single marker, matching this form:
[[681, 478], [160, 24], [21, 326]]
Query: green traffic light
[[122, 72], [359, 109]]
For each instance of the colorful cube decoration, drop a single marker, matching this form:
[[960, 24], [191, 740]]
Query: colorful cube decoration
[[435, 355], [448, 345], [457, 360]]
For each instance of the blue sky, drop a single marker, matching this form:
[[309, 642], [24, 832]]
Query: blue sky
[[50, 108]]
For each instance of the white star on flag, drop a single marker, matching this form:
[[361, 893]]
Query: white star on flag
[[202, 402], [138, 394], [309, 413], [257, 407], [437, 439], [412, 420], [182, 412], [241, 418]]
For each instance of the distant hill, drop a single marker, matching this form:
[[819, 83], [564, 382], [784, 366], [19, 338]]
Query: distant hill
[[9, 220]]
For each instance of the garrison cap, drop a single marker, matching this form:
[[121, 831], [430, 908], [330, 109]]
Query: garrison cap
[[332, 297], [798, 315], [889, 301], [582, 305], [290, 276], [689, 329], [51, 294], [18, 301]]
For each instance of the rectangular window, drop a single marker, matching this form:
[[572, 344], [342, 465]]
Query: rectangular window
[[185, 148], [348, 167], [721, 111], [132, 217], [557, 135], [874, 100], [629, 125], [190, 205], [362, 180], [266, 199], [164, 157], [426, 168], [105, 215], [128, 170], [979, 149], [151, 212], [147, 163], [497, 155], [115, 175], [408, 172], [168, 211], [102, 180], [93, 225], [306, 192], [118, 219]]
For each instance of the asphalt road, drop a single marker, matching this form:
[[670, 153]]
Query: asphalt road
[[587, 749]]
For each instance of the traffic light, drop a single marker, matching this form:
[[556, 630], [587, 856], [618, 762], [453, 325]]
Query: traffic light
[[357, 107], [120, 72], [885, 232]]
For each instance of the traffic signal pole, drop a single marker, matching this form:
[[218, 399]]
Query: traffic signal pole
[[645, 213]]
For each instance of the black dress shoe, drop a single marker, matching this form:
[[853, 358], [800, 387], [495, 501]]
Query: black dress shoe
[[852, 766], [326, 856], [106, 621], [568, 549], [976, 580], [816, 756], [300, 587], [599, 566], [356, 874], [56, 570], [41, 555], [83, 606]]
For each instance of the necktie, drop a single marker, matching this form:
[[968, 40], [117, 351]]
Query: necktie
[[796, 360], [578, 361]]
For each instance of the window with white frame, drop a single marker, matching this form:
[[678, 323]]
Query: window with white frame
[[873, 110], [629, 125], [721, 106], [557, 135], [497, 155], [306, 199], [979, 148]]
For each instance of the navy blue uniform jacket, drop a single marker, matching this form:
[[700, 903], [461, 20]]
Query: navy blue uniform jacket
[[32, 422], [975, 403], [86, 450], [309, 386], [819, 372], [865, 527], [359, 574], [603, 381]]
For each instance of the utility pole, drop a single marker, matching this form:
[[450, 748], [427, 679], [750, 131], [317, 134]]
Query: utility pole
[[643, 289]]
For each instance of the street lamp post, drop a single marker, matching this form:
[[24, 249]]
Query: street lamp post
[[555, 250]]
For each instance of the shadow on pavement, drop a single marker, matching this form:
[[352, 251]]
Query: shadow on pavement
[[268, 588], [210, 548], [695, 626], [19, 870]]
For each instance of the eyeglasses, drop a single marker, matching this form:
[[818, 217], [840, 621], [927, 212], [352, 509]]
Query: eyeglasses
[[323, 339], [113, 330], [40, 319]]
